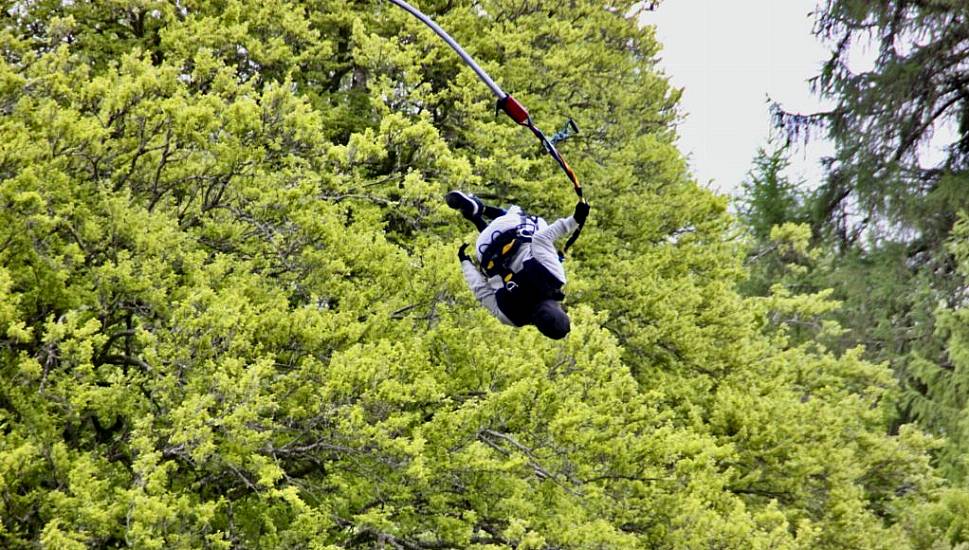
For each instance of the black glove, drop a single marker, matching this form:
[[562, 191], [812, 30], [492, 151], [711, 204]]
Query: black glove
[[581, 211], [461, 255]]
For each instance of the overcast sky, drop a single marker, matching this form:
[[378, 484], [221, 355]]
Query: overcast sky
[[729, 57]]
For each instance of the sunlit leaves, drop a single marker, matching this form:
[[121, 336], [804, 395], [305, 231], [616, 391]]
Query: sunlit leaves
[[231, 315]]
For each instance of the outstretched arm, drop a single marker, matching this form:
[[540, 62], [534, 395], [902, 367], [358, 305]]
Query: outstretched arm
[[564, 226], [543, 245], [557, 230]]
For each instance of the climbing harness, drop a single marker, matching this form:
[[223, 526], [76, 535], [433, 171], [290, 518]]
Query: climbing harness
[[497, 255], [511, 107]]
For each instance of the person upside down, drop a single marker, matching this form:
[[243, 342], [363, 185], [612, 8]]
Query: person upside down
[[521, 275]]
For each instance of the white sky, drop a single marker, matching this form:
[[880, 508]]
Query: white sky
[[729, 57]]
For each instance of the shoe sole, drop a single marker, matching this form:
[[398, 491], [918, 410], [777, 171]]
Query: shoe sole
[[460, 201]]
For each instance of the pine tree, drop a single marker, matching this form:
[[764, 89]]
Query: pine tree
[[887, 208], [946, 386], [768, 197], [882, 181]]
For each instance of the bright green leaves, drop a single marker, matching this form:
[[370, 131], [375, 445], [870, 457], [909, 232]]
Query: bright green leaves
[[266, 41], [231, 313], [10, 323], [943, 522]]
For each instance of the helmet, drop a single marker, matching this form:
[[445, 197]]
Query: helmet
[[550, 320]]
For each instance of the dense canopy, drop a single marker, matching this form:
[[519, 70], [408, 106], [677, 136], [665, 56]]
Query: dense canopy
[[231, 314]]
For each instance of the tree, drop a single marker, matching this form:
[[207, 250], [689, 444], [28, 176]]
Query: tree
[[230, 314], [768, 197], [947, 403], [769, 207], [886, 208], [881, 179]]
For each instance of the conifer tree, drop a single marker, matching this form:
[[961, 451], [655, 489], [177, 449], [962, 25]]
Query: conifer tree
[[950, 400], [887, 207]]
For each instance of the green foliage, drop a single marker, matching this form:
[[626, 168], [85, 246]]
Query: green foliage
[[768, 197], [772, 211], [946, 383], [885, 212], [230, 313], [881, 179]]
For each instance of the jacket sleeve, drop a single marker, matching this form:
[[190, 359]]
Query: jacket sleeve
[[557, 230], [483, 291], [543, 245]]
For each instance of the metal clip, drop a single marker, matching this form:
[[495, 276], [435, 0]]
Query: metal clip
[[567, 131]]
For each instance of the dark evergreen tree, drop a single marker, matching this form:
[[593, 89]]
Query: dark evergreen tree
[[769, 197], [885, 208], [880, 180]]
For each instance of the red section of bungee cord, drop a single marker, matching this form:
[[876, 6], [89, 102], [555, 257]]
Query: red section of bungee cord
[[514, 109]]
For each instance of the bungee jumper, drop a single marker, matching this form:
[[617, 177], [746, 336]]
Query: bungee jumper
[[520, 278]]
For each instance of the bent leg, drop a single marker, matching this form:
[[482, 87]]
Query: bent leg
[[469, 205], [493, 212], [473, 209]]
